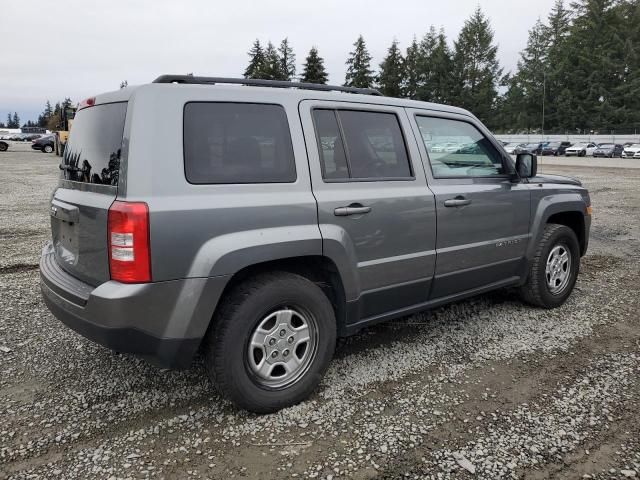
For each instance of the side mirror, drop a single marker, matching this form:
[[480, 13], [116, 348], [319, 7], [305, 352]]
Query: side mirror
[[526, 165]]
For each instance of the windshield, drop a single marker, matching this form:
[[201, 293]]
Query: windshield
[[606, 145], [92, 154]]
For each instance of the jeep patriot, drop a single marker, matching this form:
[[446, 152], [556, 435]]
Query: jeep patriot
[[258, 221]]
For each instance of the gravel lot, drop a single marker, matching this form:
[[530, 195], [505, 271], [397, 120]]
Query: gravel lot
[[486, 388]]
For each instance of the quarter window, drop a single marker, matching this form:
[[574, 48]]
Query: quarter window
[[237, 143], [359, 145], [458, 149]]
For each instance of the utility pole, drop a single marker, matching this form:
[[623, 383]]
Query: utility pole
[[544, 88]]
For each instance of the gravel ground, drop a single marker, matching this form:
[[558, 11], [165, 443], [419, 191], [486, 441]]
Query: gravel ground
[[485, 388]]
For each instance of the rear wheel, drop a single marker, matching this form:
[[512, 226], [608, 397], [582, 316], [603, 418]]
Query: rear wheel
[[47, 149], [554, 269], [271, 342], [3, 146], [582, 153]]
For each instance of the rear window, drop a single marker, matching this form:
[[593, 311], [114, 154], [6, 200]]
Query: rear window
[[92, 154], [237, 143]]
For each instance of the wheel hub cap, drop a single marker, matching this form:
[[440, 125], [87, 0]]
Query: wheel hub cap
[[282, 347], [558, 269]]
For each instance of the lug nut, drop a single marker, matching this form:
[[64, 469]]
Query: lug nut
[[283, 333], [272, 341], [274, 354], [285, 353], [290, 339]]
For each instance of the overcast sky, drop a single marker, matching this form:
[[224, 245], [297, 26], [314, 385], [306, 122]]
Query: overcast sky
[[78, 48]]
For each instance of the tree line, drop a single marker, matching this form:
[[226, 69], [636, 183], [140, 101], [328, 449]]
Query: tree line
[[580, 69], [13, 121]]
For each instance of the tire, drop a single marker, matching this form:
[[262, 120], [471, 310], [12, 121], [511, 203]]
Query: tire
[[233, 366], [4, 147], [537, 290], [47, 149]]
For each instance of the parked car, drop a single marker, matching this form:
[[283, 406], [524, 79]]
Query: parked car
[[4, 146], [533, 148], [608, 150], [280, 249], [46, 143], [512, 147], [555, 148], [581, 149], [632, 151]]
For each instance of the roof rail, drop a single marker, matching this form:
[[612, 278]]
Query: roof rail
[[190, 79]]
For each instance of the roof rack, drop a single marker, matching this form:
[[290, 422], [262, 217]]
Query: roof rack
[[190, 79]]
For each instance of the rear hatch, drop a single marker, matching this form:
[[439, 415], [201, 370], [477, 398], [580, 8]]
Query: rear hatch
[[87, 188]]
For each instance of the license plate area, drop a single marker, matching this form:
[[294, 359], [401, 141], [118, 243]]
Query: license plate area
[[64, 229]]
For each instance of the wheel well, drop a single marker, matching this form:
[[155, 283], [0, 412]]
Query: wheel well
[[573, 220], [318, 269]]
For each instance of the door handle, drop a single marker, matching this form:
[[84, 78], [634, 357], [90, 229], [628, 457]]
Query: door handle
[[64, 211], [353, 209], [459, 201]]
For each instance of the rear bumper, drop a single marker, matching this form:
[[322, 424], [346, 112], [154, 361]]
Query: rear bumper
[[163, 321]]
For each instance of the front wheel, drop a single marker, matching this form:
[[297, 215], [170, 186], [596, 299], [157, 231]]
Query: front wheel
[[3, 146], [553, 271], [47, 149], [271, 342]]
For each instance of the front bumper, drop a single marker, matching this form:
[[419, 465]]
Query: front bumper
[[162, 321]]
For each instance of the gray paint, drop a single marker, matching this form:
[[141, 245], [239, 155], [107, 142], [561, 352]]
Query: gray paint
[[409, 252]]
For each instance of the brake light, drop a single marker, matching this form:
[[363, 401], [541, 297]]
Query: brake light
[[129, 243], [87, 102]]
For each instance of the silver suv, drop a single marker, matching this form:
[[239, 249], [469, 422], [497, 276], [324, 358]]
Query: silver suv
[[259, 222]]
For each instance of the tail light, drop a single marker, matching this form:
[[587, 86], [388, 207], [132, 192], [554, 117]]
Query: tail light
[[129, 243]]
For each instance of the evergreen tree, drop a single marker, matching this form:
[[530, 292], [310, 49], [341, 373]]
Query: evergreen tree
[[627, 92], [271, 69], [313, 69], [359, 73], [15, 121], [45, 115], [391, 74], [256, 62], [412, 70], [427, 75], [557, 30], [287, 61], [476, 68], [529, 82], [9, 120], [594, 70], [441, 65]]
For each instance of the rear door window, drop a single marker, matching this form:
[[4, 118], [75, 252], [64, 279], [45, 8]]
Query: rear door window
[[361, 145], [237, 143], [92, 154]]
